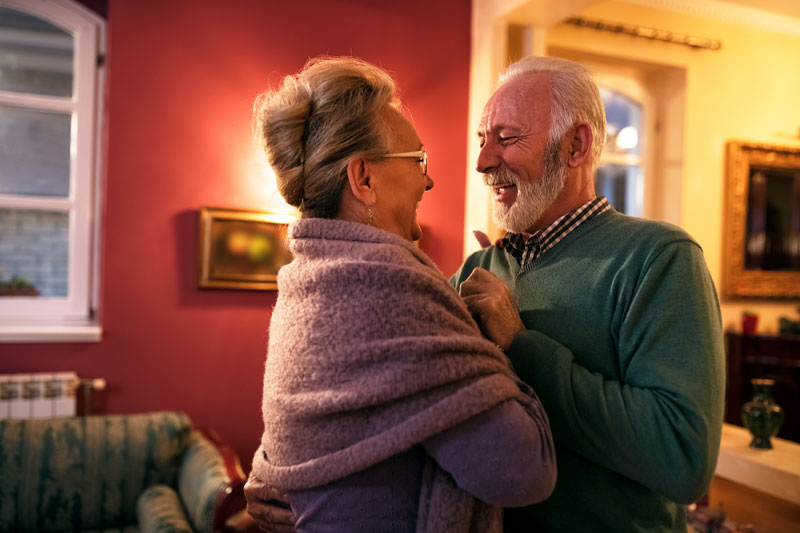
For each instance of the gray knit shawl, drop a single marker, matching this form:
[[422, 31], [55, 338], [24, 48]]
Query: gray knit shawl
[[371, 352]]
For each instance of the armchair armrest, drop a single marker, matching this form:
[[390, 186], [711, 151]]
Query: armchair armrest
[[210, 481], [159, 508]]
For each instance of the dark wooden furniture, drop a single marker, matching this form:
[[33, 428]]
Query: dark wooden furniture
[[749, 506], [755, 356]]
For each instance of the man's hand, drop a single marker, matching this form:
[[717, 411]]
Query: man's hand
[[490, 301], [263, 506], [484, 240]]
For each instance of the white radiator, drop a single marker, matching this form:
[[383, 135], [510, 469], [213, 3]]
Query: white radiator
[[41, 395]]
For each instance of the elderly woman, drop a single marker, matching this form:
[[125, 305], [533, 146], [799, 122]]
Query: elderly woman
[[384, 407]]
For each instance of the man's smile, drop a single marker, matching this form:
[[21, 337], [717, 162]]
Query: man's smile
[[505, 193]]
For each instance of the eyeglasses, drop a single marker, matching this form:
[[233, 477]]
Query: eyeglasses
[[420, 155]]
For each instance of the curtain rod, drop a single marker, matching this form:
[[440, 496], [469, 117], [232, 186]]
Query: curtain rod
[[646, 33]]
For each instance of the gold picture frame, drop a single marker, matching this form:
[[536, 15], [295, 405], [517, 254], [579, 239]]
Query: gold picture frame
[[241, 249], [761, 246]]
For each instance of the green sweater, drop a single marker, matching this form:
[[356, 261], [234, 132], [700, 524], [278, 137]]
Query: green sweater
[[624, 348]]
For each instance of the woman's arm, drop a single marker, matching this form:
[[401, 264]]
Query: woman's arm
[[503, 456]]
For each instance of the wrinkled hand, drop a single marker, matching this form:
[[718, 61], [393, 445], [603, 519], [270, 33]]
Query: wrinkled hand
[[263, 507], [492, 305]]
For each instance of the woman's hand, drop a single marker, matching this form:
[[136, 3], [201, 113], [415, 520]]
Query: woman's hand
[[492, 305], [268, 506]]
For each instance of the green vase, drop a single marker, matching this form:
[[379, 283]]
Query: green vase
[[761, 415]]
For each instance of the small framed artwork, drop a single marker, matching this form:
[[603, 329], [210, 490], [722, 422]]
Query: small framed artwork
[[762, 221], [241, 249]]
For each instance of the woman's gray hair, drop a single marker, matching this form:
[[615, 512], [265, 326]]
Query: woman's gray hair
[[316, 122], [574, 96]]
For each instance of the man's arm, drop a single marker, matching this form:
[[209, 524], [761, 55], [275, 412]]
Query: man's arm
[[660, 424]]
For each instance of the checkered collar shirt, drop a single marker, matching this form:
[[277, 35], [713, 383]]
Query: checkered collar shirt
[[526, 248]]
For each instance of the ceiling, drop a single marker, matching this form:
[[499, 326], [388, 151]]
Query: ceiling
[[774, 15], [789, 8]]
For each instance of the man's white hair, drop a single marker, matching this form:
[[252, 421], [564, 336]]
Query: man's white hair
[[574, 96]]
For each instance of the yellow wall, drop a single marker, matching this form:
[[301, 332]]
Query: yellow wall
[[749, 89]]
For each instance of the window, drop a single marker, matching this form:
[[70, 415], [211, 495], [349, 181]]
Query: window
[[641, 168], [50, 87], [620, 174]]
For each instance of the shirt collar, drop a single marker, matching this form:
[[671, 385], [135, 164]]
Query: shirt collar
[[527, 247]]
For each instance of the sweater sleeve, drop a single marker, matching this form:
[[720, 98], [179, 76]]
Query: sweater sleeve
[[503, 456], [660, 423]]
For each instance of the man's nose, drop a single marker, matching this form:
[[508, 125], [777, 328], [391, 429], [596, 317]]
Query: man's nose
[[487, 158], [428, 183]]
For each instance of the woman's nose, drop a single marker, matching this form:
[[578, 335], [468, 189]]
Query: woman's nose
[[428, 183]]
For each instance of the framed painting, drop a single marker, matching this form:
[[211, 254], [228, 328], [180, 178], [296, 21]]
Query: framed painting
[[240, 249], [761, 253]]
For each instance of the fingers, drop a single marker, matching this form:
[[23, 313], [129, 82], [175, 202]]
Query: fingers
[[480, 280], [491, 303], [262, 505], [253, 485], [282, 521], [256, 489], [480, 273], [481, 289], [482, 238], [477, 303], [270, 517], [483, 309]]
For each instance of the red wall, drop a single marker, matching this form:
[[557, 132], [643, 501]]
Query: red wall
[[182, 76]]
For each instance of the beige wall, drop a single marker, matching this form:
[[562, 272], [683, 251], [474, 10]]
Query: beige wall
[[749, 89]]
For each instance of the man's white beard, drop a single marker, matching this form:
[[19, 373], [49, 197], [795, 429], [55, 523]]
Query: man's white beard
[[533, 199]]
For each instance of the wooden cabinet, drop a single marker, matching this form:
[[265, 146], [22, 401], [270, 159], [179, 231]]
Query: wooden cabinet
[[754, 356]]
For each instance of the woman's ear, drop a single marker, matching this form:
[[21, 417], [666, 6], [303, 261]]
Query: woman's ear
[[359, 178], [580, 145]]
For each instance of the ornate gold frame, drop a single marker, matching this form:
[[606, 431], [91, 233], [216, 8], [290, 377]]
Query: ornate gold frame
[[736, 280], [211, 254]]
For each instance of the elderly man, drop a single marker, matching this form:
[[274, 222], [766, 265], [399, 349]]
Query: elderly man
[[613, 320]]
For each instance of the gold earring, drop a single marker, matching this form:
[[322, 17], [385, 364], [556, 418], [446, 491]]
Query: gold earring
[[369, 216]]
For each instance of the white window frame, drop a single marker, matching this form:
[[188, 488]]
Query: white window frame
[[75, 317], [632, 87]]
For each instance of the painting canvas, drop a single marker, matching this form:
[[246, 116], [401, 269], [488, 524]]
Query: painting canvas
[[240, 249]]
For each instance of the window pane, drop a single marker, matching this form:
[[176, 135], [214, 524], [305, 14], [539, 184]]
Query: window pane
[[622, 185], [34, 150], [623, 117], [34, 252], [36, 55]]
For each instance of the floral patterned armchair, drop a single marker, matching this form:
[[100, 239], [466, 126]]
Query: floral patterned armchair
[[142, 472]]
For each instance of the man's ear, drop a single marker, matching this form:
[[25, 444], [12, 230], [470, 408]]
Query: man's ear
[[359, 178], [580, 145]]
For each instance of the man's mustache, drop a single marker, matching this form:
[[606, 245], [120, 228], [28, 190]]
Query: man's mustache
[[500, 177]]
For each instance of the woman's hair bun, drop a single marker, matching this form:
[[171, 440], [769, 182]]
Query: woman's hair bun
[[281, 119], [315, 122]]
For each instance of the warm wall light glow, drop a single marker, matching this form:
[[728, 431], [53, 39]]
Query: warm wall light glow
[[627, 138], [258, 180]]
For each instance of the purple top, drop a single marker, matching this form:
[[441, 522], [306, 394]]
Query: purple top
[[500, 456]]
